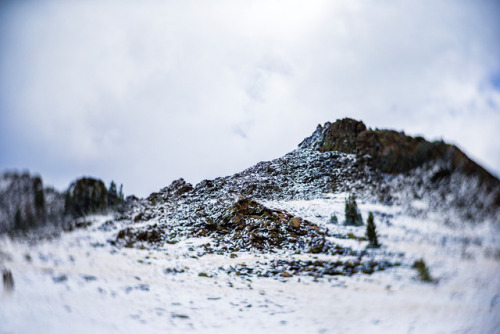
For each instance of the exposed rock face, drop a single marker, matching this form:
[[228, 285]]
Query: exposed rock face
[[251, 224], [388, 150], [394, 152], [176, 188], [339, 136], [86, 196], [240, 224]]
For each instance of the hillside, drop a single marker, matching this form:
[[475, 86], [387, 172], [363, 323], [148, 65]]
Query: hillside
[[272, 248]]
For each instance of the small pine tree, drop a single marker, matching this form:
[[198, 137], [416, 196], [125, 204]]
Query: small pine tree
[[371, 232], [423, 271], [120, 194], [112, 195], [352, 214]]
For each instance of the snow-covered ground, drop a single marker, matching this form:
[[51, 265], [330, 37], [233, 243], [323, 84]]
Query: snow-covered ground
[[79, 283]]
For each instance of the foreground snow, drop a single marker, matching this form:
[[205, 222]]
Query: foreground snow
[[80, 283]]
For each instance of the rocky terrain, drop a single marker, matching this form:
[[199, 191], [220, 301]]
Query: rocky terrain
[[270, 247], [25, 203]]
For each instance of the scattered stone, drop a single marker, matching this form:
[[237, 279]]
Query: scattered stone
[[130, 236], [180, 316], [173, 271], [295, 222], [89, 278], [60, 278], [107, 226]]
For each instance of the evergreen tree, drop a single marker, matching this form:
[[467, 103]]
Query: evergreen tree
[[352, 214], [120, 194], [112, 195], [371, 232]]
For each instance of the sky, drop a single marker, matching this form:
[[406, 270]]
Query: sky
[[145, 92]]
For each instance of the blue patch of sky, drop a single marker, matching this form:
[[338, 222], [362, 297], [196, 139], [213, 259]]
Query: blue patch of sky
[[495, 80]]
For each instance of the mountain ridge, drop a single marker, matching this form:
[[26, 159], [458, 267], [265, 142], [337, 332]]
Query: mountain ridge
[[277, 239], [343, 156]]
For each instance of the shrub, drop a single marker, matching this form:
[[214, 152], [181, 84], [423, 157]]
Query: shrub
[[371, 232], [333, 219], [352, 215], [422, 270]]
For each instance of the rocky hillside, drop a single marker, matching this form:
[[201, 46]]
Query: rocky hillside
[[381, 167], [25, 204], [299, 243], [342, 157], [436, 170]]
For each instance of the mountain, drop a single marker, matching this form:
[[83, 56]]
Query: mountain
[[436, 166], [335, 236], [378, 166]]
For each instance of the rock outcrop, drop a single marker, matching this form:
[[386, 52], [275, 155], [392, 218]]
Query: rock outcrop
[[86, 196], [396, 153]]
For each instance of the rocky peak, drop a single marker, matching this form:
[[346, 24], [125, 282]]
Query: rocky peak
[[339, 136], [391, 151], [395, 153]]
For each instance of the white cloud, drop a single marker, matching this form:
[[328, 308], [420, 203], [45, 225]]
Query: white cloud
[[145, 92]]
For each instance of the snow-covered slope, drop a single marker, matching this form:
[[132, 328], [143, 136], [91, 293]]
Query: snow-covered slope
[[79, 282], [262, 251]]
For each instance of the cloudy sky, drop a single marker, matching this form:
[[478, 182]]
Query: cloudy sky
[[144, 92]]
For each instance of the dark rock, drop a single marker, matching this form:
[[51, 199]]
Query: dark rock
[[107, 226], [388, 150], [176, 188], [86, 196], [8, 281], [130, 236], [248, 223], [60, 278]]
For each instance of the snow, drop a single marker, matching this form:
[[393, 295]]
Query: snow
[[78, 282]]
